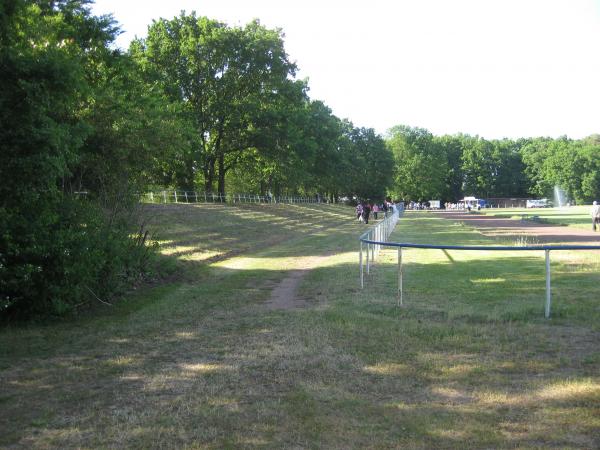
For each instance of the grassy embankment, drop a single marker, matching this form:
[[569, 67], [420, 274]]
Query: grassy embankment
[[202, 363]]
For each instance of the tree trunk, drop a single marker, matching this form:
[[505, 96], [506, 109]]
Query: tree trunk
[[209, 174], [222, 172]]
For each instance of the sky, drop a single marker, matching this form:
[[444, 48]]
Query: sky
[[493, 68]]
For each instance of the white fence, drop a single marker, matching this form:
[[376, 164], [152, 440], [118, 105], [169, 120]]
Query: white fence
[[211, 197], [379, 233]]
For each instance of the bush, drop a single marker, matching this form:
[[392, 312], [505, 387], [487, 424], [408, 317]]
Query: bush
[[71, 253]]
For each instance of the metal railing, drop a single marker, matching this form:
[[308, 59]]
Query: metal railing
[[545, 248], [375, 237], [174, 196]]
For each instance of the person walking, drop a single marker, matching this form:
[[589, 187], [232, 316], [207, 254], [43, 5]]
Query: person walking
[[595, 213], [359, 212], [375, 210], [366, 211]]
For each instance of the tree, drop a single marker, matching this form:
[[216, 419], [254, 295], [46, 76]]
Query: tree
[[223, 76], [75, 132], [43, 52], [508, 178], [421, 168], [451, 147], [371, 164], [281, 150]]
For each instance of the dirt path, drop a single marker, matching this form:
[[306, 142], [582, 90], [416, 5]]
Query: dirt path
[[544, 233], [285, 294]]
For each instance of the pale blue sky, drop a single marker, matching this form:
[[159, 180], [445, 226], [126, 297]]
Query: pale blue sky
[[496, 68]]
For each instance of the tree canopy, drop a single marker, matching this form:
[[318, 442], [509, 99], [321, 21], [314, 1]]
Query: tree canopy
[[450, 167]]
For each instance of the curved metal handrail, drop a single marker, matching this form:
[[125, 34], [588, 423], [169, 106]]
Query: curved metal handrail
[[483, 247], [401, 245]]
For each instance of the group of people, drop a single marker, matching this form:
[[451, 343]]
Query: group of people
[[364, 210], [417, 206]]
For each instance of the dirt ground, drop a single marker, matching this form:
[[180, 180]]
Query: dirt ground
[[509, 228], [285, 295]]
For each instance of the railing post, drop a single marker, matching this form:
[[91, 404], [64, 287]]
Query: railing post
[[548, 289], [399, 276], [175, 192], [360, 263], [368, 257], [372, 247]]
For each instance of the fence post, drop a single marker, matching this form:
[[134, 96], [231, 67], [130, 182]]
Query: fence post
[[399, 276], [548, 289], [196, 195], [164, 197], [186, 197], [368, 257], [175, 192], [372, 247], [360, 263]]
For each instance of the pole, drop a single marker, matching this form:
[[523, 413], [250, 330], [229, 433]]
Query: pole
[[548, 290], [368, 257], [360, 263], [399, 276]]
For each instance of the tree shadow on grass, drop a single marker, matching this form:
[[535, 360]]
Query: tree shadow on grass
[[203, 362]]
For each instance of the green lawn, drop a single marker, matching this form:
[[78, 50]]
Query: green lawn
[[200, 362], [572, 216]]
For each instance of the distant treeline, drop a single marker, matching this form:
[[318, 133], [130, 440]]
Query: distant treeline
[[450, 167], [197, 105]]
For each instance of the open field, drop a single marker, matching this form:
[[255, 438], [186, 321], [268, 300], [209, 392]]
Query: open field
[[264, 340], [572, 216]]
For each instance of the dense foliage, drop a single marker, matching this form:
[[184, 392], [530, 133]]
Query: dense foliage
[[74, 136], [249, 122], [450, 167]]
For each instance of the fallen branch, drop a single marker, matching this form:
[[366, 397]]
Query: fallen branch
[[98, 298]]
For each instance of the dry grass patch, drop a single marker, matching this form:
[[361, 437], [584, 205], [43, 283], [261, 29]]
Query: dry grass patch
[[469, 362]]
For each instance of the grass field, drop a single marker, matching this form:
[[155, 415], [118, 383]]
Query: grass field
[[572, 216], [201, 361]]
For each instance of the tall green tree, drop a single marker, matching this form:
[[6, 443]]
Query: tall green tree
[[508, 175], [281, 149], [223, 76], [478, 167], [421, 168], [371, 164], [570, 165], [450, 148], [44, 49], [76, 133]]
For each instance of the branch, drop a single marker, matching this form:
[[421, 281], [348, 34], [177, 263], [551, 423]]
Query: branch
[[97, 298]]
